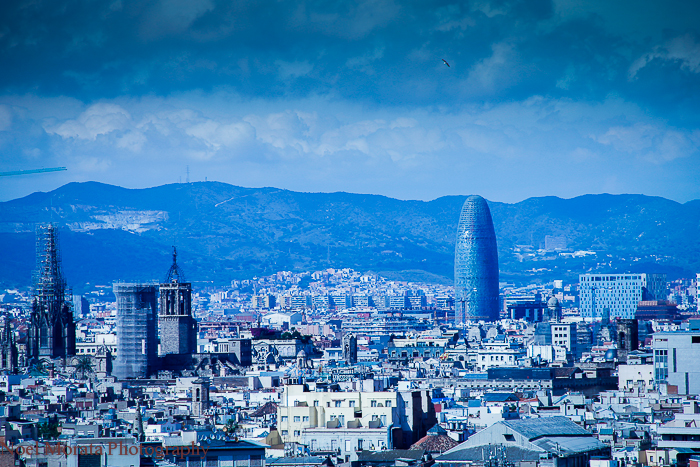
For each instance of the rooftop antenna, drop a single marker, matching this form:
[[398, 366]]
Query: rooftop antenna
[[188, 174]]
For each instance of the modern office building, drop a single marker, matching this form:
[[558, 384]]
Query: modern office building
[[676, 357], [657, 310], [136, 330], [178, 329], [476, 264], [617, 295], [531, 308]]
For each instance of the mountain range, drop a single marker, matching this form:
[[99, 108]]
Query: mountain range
[[224, 232]]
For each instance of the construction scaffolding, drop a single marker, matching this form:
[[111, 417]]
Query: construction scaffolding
[[136, 330], [52, 329]]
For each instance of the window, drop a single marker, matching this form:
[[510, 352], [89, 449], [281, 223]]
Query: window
[[373, 403], [315, 403], [695, 340], [509, 437], [387, 403], [284, 418], [359, 444], [352, 403], [285, 432], [328, 404], [297, 418], [297, 433], [337, 403], [305, 419]]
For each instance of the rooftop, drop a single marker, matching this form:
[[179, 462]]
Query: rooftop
[[534, 428]]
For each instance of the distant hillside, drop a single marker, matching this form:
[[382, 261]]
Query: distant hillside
[[224, 232]]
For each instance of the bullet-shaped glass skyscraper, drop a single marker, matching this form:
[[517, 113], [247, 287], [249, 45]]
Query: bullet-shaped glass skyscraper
[[476, 264]]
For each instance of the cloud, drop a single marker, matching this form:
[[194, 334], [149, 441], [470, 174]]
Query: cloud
[[683, 50], [293, 70], [502, 151], [98, 119], [653, 142], [5, 117], [168, 17]]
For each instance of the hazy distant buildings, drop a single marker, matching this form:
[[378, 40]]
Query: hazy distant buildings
[[476, 264], [617, 295], [136, 330], [554, 242], [81, 307], [52, 329]]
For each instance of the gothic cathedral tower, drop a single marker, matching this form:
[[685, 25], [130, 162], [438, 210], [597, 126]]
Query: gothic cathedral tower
[[52, 329]]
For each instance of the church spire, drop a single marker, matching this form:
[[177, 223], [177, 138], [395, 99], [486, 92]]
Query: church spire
[[175, 273]]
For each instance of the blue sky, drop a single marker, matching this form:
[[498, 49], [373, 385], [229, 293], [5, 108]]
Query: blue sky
[[541, 97]]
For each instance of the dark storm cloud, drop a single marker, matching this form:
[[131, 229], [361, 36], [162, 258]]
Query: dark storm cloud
[[379, 50]]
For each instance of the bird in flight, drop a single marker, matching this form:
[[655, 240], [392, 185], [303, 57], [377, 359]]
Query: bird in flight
[[446, 62]]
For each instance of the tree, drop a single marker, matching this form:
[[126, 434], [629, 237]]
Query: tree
[[232, 427], [49, 429], [84, 365]]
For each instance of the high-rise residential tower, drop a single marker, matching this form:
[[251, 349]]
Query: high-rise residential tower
[[476, 264], [52, 329], [178, 329], [136, 330]]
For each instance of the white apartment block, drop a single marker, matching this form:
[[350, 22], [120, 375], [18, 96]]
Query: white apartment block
[[564, 335], [497, 355], [638, 378], [618, 293], [311, 410]]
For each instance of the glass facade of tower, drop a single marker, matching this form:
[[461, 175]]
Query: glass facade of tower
[[476, 264]]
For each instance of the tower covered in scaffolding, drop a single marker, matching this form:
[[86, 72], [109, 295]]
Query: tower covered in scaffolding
[[52, 329], [178, 328], [136, 330]]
